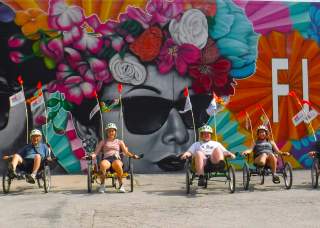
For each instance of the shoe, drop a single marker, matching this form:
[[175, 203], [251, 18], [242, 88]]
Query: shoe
[[12, 172], [201, 181], [102, 189], [121, 189], [31, 178], [275, 179]]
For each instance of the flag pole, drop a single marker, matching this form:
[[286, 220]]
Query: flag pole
[[250, 123], [25, 106], [39, 87], [265, 114], [121, 108], [293, 94], [194, 126], [101, 119]]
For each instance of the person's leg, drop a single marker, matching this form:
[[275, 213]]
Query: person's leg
[[261, 160], [104, 166], [117, 167], [200, 160], [216, 156], [272, 162], [16, 159], [36, 164]]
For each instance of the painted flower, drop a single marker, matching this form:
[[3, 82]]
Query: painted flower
[[179, 56], [71, 36], [17, 57], [52, 49], [235, 38], [208, 7], [31, 21], [137, 14], [147, 45], [6, 13], [89, 42], [105, 29], [192, 28], [16, 41], [127, 70], [163, 11], [64, 17], [211, 72], [314, 29]]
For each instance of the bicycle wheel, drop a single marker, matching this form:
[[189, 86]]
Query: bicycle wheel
[[89, 177], [188, 176], [131, 174], [246, 176], [287, 175], [6, 182], [232, 179], [46, 178], [315, 173]]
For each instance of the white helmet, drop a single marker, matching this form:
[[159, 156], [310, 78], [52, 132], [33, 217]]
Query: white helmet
[[206, 128], [262, 127], [111, 126], [35, 132]]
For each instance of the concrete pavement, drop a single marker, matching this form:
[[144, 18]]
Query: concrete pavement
[[159, 200]]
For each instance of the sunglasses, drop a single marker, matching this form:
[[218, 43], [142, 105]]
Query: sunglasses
[[145, 115]]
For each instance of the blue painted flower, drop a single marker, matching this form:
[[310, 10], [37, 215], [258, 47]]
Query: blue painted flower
[[235, 38], [313, 31], [6, 13]]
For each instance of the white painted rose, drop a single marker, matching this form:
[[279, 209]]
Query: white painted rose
[[191, 29], [127, 70]]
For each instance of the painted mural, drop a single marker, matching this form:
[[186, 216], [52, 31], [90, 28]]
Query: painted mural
[[68, 67]]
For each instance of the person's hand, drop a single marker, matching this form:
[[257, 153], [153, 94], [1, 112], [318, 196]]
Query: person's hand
[[232, 156], [135, 156], [93, 155], [285, 153], [312, 154], [184, 156], [244, 153]]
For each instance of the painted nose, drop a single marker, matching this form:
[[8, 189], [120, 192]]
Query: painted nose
[[175, 130]]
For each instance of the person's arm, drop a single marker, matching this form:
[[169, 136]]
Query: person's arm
[[226, 153], [98, 149], [189, 152], [125, 150], [276, 149]]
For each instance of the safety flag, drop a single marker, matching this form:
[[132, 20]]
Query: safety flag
[[37, 102], [212, 108], [94, 111], [108, 107], [17, 98], [187, 105]]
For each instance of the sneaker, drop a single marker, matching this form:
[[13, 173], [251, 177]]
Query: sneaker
[[201, 181], [276, 179], [102, 189], [121, 189], [31, 178]]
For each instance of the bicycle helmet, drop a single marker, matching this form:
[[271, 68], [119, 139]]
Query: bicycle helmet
[[111, 126], [206, 128], [262, 127], [35, 132]]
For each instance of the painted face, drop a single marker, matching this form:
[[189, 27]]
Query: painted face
[[111, 133], [152, 122], [36, 139], [205, 136]]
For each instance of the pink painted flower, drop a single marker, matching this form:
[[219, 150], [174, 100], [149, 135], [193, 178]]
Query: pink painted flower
[[105, 29], [71, 36], [52, 49], [136, 14], [163, 11], [64, 17], [89, 42], [178, 56], [16, 56], [16, 41]]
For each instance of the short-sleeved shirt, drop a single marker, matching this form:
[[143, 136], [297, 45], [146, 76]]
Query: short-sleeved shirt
[[109, 148], [206, 147], [263, 146], [29, 151]]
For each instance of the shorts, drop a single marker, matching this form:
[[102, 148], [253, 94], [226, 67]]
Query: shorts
[[27, 165], [111, 159], [209, 167]]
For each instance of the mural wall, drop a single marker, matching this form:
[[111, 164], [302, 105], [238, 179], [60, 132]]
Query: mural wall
[[69, 67]]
